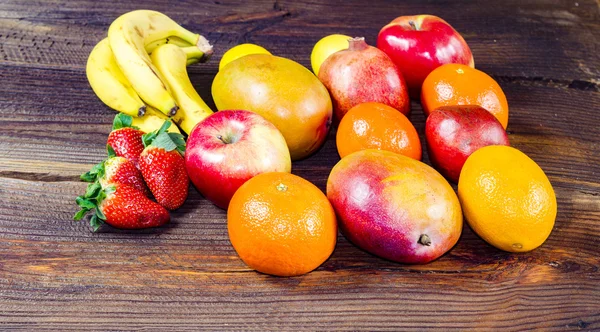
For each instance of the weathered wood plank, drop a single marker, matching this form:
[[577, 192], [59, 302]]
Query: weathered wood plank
[[546, 41], [57, 275], [189, 272]]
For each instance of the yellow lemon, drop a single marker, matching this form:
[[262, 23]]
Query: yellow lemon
[[326, 47], [240, 51], [507, 198]]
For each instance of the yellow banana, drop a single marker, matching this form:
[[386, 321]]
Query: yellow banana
[[128, 36], [151, 46], [153, 120], [175, 41], [109, 83], [171, 60]]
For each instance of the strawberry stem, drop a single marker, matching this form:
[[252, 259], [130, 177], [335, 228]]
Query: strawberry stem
[[94, 195], [122, 120], [95, 173], [163, 139]]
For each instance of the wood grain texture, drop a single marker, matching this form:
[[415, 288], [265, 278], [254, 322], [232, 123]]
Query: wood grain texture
[[57, 275]]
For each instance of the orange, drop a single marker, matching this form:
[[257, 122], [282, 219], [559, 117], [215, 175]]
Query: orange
[[281, 224], [454, 84], [377, 126], [506, 198]]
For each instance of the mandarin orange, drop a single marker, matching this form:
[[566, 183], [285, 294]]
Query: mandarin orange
[[377, 126], [455, 84], [281, 224]]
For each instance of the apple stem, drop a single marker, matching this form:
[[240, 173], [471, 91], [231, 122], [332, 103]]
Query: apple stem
[[224, 140], [357, 44], [424, 240], [412, 25]]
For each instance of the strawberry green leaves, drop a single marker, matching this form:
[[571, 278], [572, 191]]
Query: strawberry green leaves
[[110, 151], [93, 174], [91, 200], [162, 139], [123, 121], [98, 170], [179, 141]]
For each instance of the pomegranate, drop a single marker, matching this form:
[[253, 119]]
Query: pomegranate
[[361, 74]]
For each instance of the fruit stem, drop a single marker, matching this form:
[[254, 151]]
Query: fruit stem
[[228, 139], [204, 45], [193, 55], [357, 44], [424, 240], [413, 25], [223, 139], [192, 52]]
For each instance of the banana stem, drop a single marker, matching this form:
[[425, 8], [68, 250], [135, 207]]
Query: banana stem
[[195, 54], [190, 62], [189, 37], [192, 52]]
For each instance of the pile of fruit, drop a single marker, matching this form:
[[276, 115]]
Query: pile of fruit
[[273, 110]]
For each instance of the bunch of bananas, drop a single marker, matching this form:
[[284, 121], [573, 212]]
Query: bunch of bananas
[[140, 70]]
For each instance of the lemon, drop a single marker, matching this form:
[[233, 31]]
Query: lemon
[[326, 47], [240, 51], [507, 198]]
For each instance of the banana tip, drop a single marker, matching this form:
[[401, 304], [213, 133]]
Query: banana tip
[[142, 111], [173, 110]]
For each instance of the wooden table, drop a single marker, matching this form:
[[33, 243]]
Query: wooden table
[[56, 274]]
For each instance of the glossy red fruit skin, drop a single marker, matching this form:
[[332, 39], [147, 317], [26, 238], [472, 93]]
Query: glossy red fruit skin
[[361, 74], [422, 46], [217, 169], [128, 208], [127, 142], [453, 133], [385, 202], [121, 170], [166, 176]]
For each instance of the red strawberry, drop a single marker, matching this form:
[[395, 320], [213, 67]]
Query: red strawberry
[[126, 140], [120, 206], [121, 170], [163, 167], [117, 170]]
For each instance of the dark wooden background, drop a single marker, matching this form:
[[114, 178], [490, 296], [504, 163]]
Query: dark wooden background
[[57, 275]]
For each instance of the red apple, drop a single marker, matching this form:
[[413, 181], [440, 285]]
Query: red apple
[[454, 132], [362, 74], [419, 44], [228, 148], [394, 206]]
